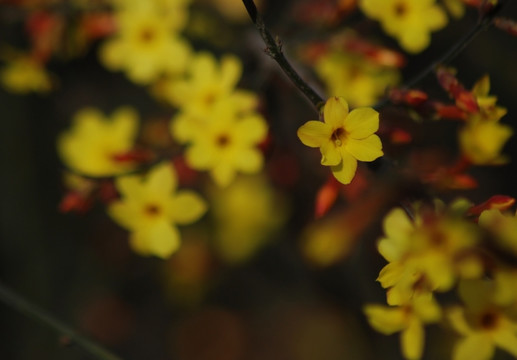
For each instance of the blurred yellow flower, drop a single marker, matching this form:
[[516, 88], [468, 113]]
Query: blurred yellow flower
[[409, 319], [146, 45], [223, 141], [92, 144], [503, 226], [409, 21], [358, 81], [246, 214], [343, 137], [426, 253], [23, 75], [328, 240], [482, 325], [206, 82], [150, 207], [483, 136]]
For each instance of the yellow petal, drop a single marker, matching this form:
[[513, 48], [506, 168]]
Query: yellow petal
[[161, 239], [330, 155], [187, 207], [412, 340], [125, 214], [390, 274], [456, 317], [200, 156], [335, 112], [475, 347], [398, 228], [345, 171], [223, 174], [249, 160], [367, 149], [362, 123], [507, 340], [482, 86], [384, 319], [314, 133], [161, 180], [129, 186], [251, 129], [231, 70]]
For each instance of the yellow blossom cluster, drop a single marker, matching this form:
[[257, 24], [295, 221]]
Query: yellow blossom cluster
[[147, 43], [483, 136], [426, 252], [216, 121], [360, 82], [409, 21]]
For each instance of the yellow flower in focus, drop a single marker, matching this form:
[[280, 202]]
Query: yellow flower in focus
[[246, 214], [23, 75], [146, 46], [91, 146], [359, 82], [503, 226], [427, 253], [223, 141], [343, 137], [205, 83], [409, 21], [151, 207], [409, 319], [482, 325]]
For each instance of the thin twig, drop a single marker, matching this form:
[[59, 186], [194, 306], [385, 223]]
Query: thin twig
[[15, 301], [274, 49]]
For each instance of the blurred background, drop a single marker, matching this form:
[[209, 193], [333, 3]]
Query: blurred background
[[258, 277]]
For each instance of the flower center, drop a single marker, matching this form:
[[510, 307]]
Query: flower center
[[152, 210], [400, 8], [147, 35], [489, 320], [339, 136], [222, 140]]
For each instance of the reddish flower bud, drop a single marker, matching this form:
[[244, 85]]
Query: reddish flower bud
[[505, 24], [326, 196], [465, 99], [499, 202], [410, 97]]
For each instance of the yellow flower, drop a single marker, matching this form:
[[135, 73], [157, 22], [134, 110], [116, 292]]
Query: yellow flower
[[503, 226], [150, 207], [427, 253], [343, 137], [483, 325], [243, 229], [145, 46], [223, 142], [410, 21], [483, 137], [481, 141], [23, 75], [409, 319], [174, 12], [360, 82], [90, 147], [205, 83]]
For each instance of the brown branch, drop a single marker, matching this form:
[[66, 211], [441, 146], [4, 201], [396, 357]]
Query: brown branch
[[274, 49]]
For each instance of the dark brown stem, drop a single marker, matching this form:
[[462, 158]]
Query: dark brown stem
[[274, 49]]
